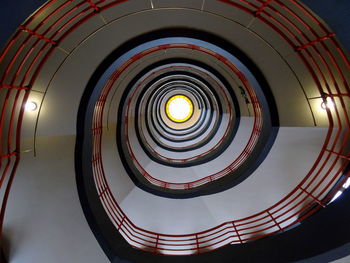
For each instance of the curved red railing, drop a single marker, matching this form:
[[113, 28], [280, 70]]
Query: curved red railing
[[257, 126], [32, 44], [305, 199], [160, 156]]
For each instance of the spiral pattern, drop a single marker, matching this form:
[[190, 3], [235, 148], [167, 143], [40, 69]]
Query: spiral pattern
[[147, 133], [138, 57]]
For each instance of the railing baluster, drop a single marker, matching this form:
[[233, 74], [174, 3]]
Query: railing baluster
[[8, 155], [313, 197], [339, 154], [3, 86], [197, 242], [274, 220], [237, 233], [156, 247], [121, 223], [313, 42], [261, 8], [50, 41], [104, 191], [93, 6]]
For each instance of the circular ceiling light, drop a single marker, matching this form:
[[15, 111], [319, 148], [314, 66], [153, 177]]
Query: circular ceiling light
[[179, 108], [328, 104], [30, 106]]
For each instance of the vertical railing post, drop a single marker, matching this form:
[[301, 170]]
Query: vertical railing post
[[274, 220], [313, 197], [261, 8], [197, 242], [121, 223], [156, 247], [237, 233]]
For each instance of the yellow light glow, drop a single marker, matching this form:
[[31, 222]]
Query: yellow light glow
[[179, 108]]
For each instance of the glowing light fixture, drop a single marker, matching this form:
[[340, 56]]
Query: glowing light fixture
[[339, 193], [31, 106], [347, 183], [328, 104], [179, 108]]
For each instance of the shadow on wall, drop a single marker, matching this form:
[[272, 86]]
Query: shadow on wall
[[5, 246]]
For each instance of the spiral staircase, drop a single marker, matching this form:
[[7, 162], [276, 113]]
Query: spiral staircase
[[176, 131]]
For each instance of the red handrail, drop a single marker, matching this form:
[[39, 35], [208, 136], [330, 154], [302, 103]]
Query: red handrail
[[27, 52], [284, 213], [258, 122]]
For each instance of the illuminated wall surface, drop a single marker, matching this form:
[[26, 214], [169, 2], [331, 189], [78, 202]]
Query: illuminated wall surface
[[175, 131]]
